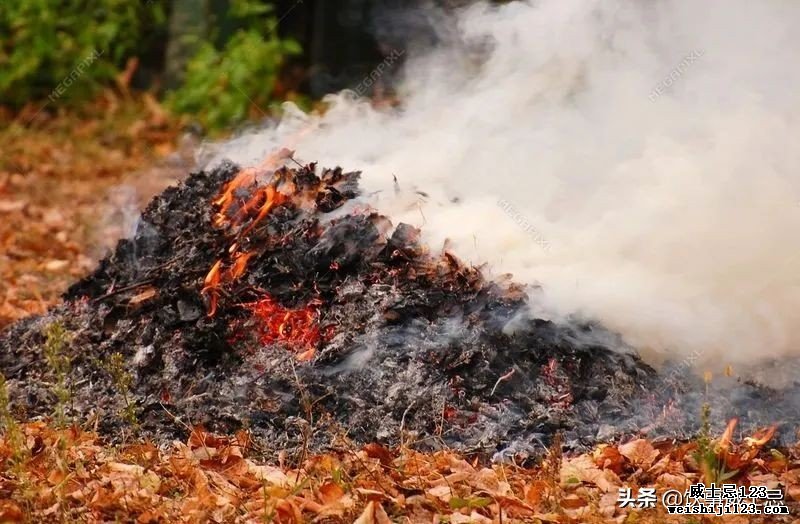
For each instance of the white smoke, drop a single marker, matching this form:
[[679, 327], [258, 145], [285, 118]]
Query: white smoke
[[651, 144]]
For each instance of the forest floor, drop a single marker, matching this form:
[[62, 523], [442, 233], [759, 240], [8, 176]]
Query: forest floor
[[70, 187]]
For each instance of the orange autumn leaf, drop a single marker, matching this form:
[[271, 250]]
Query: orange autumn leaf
[[330, 493], [376, 451]]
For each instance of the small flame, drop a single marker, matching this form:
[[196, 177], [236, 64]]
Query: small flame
[[211, 287], [761, 437], [213, 276], [727, 436], [239, 265], [216, 277], [263, 200], [246, 177], [272, 198]]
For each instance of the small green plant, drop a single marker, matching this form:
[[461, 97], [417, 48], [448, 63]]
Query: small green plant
[[19, 453], [711, 466], [223, 84], [58, 364], [123, 380], [11, 430]]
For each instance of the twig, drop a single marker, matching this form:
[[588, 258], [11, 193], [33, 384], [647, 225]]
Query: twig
[[308, 407], [291, 157], [123, 290], [403, 419], [502, 378], [176, 419]]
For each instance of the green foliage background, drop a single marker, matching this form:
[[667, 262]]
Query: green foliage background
[[222, 84], [43, 41]]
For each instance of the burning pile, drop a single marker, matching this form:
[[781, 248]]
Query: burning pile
[[269, 299]]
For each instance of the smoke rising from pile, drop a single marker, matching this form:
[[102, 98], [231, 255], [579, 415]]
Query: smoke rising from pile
[[650, 145]]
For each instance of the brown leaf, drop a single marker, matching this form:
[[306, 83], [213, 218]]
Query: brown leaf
[[609, 457], [376, 451], [608, 504], [442, 492], [330, 493], [288, 511], [12, 206], [536, 492], [582, 469], [573, 502], [640, 452], [669, 480], [10, 511], [472, 518], [765, 479], [373, 514]]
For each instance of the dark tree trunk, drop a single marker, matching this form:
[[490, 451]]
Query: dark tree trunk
[[188, 27]]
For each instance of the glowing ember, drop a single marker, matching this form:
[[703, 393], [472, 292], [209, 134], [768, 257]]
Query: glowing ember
[[297, 328]]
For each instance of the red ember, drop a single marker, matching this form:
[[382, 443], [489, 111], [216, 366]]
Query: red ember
[[297, 328]]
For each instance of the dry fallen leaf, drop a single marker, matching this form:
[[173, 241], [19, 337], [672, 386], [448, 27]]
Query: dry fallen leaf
[[330, 493], [130, 484], [373, 514], [12, 206], [640, 452], [582, 469], [56, 265], [379, 452]]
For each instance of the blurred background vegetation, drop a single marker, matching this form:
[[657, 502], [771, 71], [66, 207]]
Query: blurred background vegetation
[[217, 62]]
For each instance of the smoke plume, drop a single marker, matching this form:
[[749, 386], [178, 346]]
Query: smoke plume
[[635, 162]]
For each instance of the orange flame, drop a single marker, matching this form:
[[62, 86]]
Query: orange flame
[[262, 199], [761, 437], [272, 199], [211, 287], [216, 277], [213, 276], [246, 177], [725, 440], [239, 265]]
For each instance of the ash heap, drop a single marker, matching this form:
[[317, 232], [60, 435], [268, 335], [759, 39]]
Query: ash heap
[[271, 300]]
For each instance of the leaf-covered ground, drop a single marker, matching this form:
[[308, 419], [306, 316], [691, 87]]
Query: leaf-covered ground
[[69, 187], [69, 475]]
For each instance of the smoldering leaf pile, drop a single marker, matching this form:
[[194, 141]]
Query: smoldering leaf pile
[[273, 300]]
